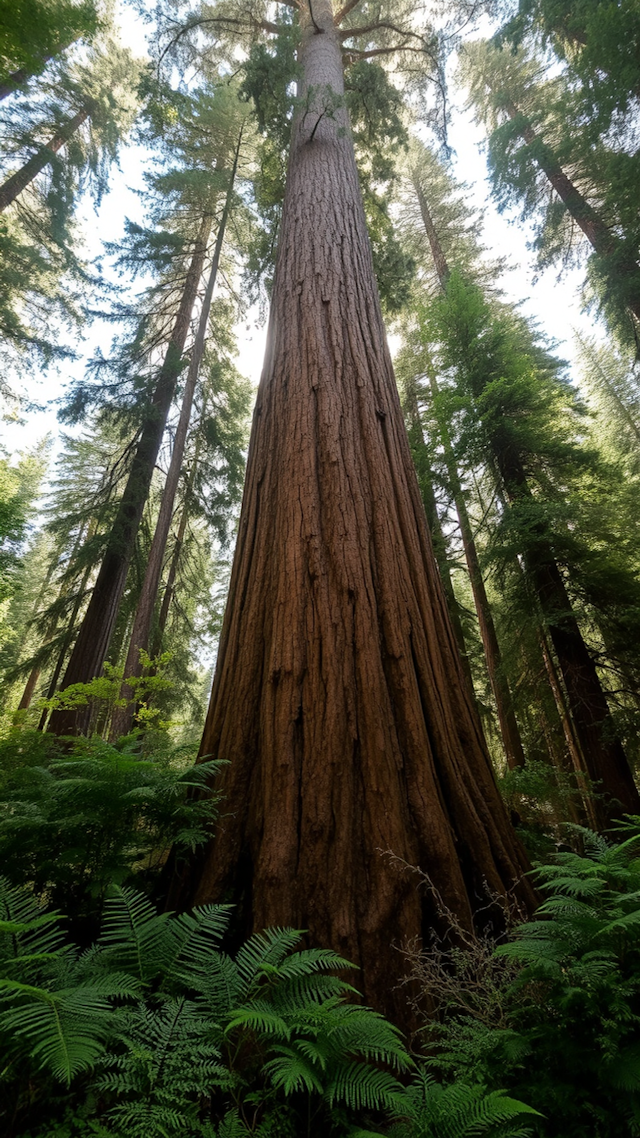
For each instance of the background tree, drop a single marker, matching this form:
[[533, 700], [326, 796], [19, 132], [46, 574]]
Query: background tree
[[57, 142], [538, 143], [33, 31]]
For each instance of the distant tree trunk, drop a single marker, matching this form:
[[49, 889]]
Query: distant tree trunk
[[509, 729], [592, 224], [604, 756], [19, 181], [339, 700], [603, 753], [29, 688], [94, 637], [499, 684], [610, 388], [123, 716], [425, 481], [169, 589], [66, 644], [578, 762], [22, 75]]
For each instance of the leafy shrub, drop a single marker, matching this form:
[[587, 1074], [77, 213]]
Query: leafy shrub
[[176, 1032], [555, 1017], [77, 815], [156, 1032]]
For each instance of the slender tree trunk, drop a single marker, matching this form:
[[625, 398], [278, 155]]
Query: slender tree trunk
[[610, 389], [578, 762], [604, 756], [123, 716], [499, 684], [96, 630], [66, 644], [169, 589], [339, 700], [19, 181], [594, 227], [13, 81], [29, 688], [425, 481]]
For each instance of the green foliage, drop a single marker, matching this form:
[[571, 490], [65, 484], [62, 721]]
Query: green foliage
[[180, 1035], [460, 1111], [571, 170], [31, 31], [563, 1032], [19, 488], [598, 41], [76, 816]]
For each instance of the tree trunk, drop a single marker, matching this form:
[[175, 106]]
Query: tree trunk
[[14, 185], [94, 637], [499, 684], [339, 699], [585, 216], [169, 589], [29, 688], [425, 481], [123, 716], [604, 756], [66, 644], [22, 75], [603, 753]]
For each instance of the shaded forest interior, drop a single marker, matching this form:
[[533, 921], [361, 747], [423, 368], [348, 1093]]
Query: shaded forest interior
[[320, 734]]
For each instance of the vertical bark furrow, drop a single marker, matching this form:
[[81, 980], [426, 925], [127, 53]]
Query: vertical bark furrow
[[339, 699]]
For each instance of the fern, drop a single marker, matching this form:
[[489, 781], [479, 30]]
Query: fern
[[458, 1111]]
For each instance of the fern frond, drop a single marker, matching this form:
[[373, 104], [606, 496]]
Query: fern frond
[[65, 1030], [290, 1072], [361, 1087], [137, 939], [259, 1016], [262, 949]]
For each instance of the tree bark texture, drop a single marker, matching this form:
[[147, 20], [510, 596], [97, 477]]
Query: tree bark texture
[[339, 699], [96, 630], [13, 187], [123, 716], [594, 227]]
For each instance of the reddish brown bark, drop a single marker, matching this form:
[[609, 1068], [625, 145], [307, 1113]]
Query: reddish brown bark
[[92, 645], [339, 700], [29, 688], [19, 181], [123, 716], [603, 753]]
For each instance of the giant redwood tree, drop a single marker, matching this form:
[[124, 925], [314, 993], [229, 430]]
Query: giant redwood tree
[[339, 702]]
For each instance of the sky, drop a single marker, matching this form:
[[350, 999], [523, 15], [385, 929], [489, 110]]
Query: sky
[[554, 303]]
